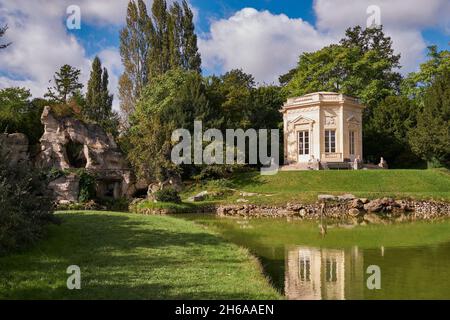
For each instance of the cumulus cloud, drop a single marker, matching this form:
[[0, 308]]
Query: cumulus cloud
[[259, 42], [42, 43], [268, 45], [402, 20]]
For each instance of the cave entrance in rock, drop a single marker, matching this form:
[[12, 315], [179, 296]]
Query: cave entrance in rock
[[140, 193], [109, 189], [75, 155]]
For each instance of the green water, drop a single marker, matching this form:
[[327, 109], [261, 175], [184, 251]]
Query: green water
[[414, 258]]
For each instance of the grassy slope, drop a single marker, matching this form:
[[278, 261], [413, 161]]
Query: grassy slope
[[124, 256], [304, 186]]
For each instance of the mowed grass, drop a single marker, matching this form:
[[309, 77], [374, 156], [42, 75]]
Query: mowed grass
[[127, 256], [304, 186]]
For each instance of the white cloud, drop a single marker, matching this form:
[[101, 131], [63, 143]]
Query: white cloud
[[268, 45], [41, 44], [102, 11], [259, 42], [402, 20], [399, 14]]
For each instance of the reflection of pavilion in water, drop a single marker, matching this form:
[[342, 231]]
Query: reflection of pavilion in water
[[314, 273]]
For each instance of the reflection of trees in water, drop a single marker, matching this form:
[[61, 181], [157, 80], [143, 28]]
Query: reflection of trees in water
[[314, 273]]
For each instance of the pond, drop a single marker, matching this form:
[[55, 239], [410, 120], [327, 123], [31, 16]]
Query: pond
[[413, 258]]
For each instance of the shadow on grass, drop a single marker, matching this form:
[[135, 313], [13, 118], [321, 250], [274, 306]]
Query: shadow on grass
[[124, 258], [241, 181]]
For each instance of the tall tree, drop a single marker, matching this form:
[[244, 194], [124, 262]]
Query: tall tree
[[19, 114], [98, 99], [135, 40], [160, 56], [191, 57], [362, 65], [2, 33], [94, 108], [176, 35], [66, 84], [172, 100], [387, 133], [98, 106], [416, 83], [430, 139], [151, 46]]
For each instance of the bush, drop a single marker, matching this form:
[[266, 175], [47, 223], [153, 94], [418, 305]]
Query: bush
[[120, 204], [87, 186], [168, 195], [25, 209]]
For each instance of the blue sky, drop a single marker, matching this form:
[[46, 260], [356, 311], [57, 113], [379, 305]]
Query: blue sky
[[263, 37]]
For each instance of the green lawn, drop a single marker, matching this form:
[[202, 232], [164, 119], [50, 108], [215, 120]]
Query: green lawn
[[304, 186], [126, 256]]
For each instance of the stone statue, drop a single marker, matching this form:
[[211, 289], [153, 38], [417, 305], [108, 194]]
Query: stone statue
[[313, 163], [357, 163], [383, 164]]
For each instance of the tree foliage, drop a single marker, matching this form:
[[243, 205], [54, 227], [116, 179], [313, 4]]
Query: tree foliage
[[25, 210], [98, 106], [151, 45], [362, 65], [388, 132], [66, 84], [416, 84], [430, 139], [173, 100], [19, 114]]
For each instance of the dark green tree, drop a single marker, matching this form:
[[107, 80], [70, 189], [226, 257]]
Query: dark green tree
[[135, 41], [191, 59], [95, 106], [416, 83], [172, 100], [362, 65], [98, 106], [2, 33], [159, 58], [232, 93], [388, 133], [66, 84], [266, 102], [175, 35], [430, 139], [19, 114]]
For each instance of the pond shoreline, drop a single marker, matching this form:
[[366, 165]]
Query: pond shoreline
[[345, 207]]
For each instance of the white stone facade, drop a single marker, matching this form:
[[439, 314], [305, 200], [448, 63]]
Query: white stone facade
[[322, 128]]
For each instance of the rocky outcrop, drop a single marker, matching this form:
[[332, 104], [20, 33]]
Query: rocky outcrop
[[356, 210], [14, 148], [98, 149], [199, 197], [65, 189], [70, 143]]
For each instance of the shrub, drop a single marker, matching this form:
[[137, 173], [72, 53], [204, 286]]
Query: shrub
[[87, 186], [167, 195], [120, 204], [25, 209]]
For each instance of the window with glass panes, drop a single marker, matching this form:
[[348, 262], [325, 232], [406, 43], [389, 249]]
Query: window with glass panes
[[330, 141], [352, 142], [303, 142]]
